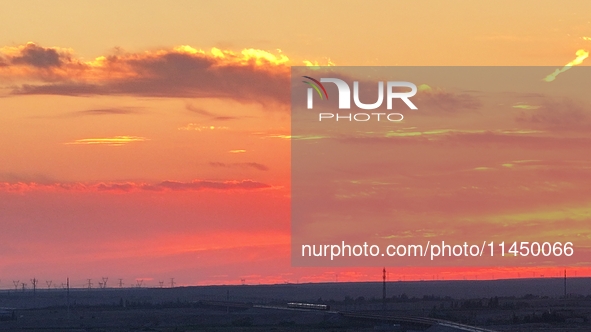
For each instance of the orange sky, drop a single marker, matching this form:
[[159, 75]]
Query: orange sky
[[148, 140]]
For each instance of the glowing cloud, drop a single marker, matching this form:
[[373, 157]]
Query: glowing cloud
[[581, 55], [315, 63], [425, 87], [261, 57], [251, 75], [279, 136], [110, 141], [525, 106]]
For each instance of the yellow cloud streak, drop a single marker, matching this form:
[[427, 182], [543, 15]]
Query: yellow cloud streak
[[438, 132], [196, 127], [315, 65], [526, 106], [111, 141], [581, 55]]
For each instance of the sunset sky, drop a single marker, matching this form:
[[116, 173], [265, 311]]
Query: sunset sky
[[150, 140]]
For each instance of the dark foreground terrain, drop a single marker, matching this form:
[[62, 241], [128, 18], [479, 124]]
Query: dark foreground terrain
[[434, 306]]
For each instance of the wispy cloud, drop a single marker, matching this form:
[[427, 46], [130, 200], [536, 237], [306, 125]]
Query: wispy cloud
[[256, 166], [525, 106], [290, 137], [125, 187], [282, 136], [522, 138], [439, 101], [210, 115], [198, 127], [558, 115], [110, 141], [105, 111], [447, 132], [200, 185]]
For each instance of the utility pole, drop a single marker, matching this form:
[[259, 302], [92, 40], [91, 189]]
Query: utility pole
[[172, 282], [384, 292], [34, 283], [565, 283], [68, 295]]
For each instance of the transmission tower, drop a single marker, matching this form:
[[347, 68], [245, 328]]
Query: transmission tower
[[89, 284], [105, 279], [16, 282], [172, 282], [161, 283], [139, 283], [24, 285], [48, 282]]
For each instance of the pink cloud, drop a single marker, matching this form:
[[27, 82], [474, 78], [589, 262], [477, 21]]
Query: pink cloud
[[123, 187]]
